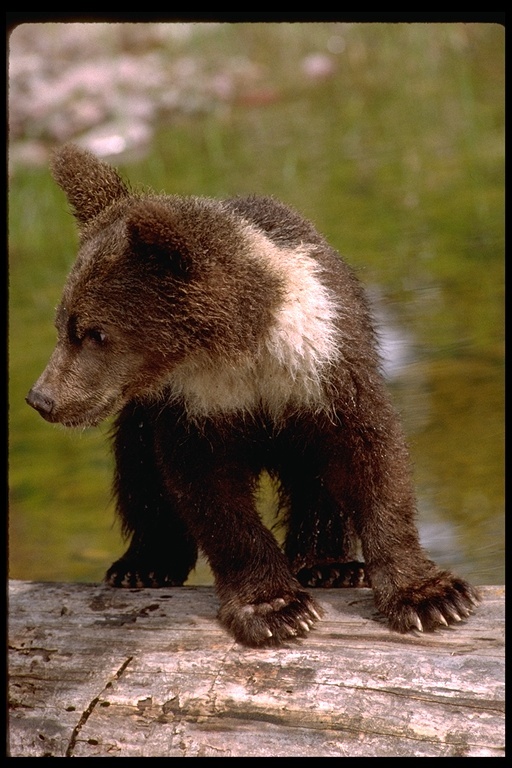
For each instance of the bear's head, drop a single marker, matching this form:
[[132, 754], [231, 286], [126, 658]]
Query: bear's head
[[159, 282]]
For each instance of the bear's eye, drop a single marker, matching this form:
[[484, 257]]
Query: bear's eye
[[96, 336]]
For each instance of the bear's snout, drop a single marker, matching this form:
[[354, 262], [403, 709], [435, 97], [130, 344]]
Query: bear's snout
[[41, 402]]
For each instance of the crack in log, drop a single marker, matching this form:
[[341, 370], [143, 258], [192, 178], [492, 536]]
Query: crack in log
[[364, 729], [458, 701], [90, 709]]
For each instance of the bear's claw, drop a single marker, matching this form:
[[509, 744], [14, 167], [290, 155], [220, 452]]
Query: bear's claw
[[129, 574], [437, 602], [270, 623]]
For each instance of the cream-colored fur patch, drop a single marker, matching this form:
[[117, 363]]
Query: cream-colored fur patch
[[289, 367]]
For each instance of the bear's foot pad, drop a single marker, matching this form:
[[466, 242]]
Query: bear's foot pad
[[440, 601], [129, 574], [335, 575], [271, 623]]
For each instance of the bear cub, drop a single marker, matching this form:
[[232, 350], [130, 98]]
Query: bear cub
[[228, 338]]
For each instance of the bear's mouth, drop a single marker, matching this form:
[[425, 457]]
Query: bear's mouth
[[79, 415], [89, 417]]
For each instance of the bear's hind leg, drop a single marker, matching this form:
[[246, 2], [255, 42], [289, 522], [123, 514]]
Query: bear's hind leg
[[334, 574], [161, 552], [321, 544]]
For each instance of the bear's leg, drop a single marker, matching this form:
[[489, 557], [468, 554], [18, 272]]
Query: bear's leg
[[261, 603], [320, 544], [161, 552], [374, 482]]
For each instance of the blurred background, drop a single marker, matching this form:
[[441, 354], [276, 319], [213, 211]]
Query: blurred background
[[389, 137]]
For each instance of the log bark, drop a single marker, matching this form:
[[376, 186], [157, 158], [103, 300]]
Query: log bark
[[100, 672]]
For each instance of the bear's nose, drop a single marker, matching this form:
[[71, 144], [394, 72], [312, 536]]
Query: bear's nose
[[40, 402]]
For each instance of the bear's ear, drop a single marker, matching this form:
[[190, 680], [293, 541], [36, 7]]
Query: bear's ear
[[154, 232], [90, 184]]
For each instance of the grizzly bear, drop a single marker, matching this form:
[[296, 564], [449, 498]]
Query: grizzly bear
[[227, 338]]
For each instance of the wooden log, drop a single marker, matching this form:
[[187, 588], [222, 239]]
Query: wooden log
[[100, 672]]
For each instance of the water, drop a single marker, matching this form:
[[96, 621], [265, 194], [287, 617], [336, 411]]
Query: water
[[390, 138]]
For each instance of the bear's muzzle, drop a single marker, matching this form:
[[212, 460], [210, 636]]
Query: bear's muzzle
[[42, 403]]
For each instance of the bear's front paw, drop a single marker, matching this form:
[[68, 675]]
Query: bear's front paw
[[441, 600], [131, 573], [270, 623]]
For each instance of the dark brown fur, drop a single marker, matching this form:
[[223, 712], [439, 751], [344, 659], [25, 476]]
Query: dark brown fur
[[182, 316]]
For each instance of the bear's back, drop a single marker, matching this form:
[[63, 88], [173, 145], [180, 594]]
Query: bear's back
[[283, 225]]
